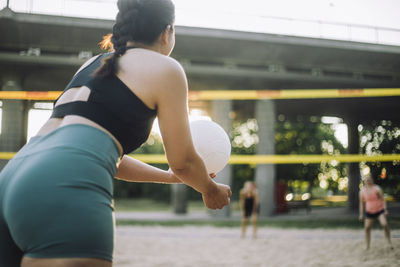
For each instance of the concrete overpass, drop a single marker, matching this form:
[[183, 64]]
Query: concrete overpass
[[46, 51], [228, 59], [41, 52]]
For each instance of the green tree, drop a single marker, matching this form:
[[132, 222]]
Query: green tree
[[244, 139], [382, 137], [309, 136], [304, 136]]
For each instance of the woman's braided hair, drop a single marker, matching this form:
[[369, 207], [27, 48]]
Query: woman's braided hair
[[140, 21]]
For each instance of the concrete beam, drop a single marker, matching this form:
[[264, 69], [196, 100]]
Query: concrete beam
[[29, 18], [284, 39], [42, 60], [231, 70]]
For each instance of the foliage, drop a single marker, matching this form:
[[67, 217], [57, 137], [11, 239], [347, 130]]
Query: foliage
[[308, 137], [382, 137], [244, 139], [304, 136]]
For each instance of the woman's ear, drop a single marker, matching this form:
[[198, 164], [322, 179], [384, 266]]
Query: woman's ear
[[165, 35]]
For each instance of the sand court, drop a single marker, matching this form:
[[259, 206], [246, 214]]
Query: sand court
[[211, 246]]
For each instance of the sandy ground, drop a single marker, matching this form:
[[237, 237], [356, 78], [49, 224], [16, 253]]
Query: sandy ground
[[198, 246]]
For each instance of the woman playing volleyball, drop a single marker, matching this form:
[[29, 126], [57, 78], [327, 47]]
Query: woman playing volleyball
[[56, 193], [371, 196], [249, 206]]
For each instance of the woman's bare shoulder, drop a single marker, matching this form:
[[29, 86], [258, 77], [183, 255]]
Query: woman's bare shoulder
[[152, 68], [170, 66], [147, 59], [378, 188]]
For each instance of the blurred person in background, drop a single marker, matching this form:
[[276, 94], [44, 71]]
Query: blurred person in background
[[249, 206], [373, 206]]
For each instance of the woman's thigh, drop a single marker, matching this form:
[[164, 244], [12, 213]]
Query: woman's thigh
[[368, 223], [382, 220]]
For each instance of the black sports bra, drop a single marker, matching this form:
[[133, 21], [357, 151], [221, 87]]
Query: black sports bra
[[112, 105]]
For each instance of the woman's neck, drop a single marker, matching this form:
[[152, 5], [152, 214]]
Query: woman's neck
[[154, 47]]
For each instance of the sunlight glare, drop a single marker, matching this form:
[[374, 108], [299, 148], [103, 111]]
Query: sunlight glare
[[330, 120], [341, 134], [289, 197], [36, 119]]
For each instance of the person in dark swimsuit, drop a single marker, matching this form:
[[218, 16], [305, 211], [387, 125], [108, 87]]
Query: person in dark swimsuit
[[249, 206], [56, 193]]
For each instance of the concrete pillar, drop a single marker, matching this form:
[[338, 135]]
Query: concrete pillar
[[353, 168], [179, 198], [265, 173], [14, 119], [220, 114], [221, 110]]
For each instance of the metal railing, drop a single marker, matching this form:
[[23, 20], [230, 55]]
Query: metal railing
[[106, 9]]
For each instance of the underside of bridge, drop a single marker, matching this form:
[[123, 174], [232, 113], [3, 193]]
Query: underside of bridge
[[46, 50]]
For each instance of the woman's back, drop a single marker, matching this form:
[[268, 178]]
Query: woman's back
[[145, 73]]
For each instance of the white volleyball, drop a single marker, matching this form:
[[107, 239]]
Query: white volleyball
[[211, 143]]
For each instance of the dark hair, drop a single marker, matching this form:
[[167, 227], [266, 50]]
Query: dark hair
[[137, 20]]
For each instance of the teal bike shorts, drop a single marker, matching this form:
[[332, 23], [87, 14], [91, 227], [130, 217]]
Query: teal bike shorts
[[56, 197]]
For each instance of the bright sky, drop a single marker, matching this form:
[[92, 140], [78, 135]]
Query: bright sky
[[315, 18], [383, 13]]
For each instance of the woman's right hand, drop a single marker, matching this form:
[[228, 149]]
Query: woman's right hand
[[217, 196], [361, 218]]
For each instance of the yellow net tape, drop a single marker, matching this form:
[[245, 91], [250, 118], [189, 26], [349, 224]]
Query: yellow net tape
[[249, 95], [292, 94], [285, 159], [269, 159], [30, 95], [236, 94]]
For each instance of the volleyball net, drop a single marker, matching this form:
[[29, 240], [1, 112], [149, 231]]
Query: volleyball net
[[249, 95]]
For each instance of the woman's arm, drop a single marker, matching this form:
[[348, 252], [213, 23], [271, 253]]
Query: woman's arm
[[241, 201], [184, 161], [361, 206], [382, 196], [173, 117], [133, 170], [256, 202]]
